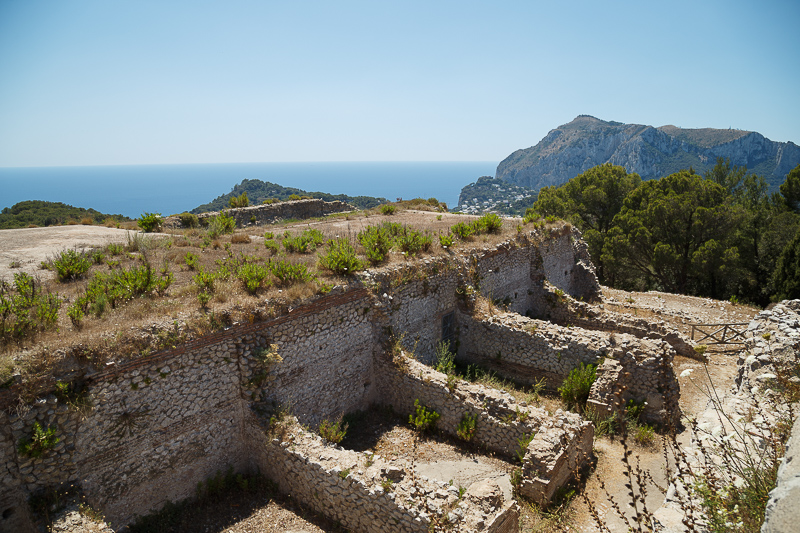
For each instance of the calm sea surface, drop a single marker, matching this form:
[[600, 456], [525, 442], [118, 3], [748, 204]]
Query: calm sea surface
[[169, 189]]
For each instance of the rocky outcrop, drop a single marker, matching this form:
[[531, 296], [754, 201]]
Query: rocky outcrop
[[650, 152]]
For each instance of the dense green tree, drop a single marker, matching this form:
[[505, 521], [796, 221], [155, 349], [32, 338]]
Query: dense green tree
[[787, 272], [590, 201], [790, 189], [672, 234]]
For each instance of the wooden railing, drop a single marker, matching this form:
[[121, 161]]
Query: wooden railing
[[730, 333]]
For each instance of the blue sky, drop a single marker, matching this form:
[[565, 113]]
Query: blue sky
[[139, 82]]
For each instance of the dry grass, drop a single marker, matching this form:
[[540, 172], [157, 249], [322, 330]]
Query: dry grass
[[117, 333]]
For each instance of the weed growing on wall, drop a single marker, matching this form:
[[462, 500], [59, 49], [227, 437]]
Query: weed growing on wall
[[40, 441], [467, 426], [522, 444]]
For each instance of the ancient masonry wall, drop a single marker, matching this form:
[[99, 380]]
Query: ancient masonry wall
[[413, 302], [365, 492], [327, 351], [639, 370], [566, 311], [526, 350], [161, 424], [562, 441], [269, 213]]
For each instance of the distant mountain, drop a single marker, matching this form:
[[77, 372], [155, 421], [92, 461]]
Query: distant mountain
[[651, 152], [491, 195], [258, 191]]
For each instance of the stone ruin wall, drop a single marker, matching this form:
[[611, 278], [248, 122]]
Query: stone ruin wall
[[271, 213], [354, 488], [162, 423]]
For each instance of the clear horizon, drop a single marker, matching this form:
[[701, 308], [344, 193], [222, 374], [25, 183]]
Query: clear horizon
[[93, 83]]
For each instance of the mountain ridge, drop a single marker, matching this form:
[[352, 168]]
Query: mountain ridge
[[651, 152]]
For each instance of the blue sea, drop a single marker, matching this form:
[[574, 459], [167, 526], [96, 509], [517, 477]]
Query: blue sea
[[169, 189]]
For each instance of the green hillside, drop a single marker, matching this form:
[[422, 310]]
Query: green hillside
[[258, 191], [41, 213]]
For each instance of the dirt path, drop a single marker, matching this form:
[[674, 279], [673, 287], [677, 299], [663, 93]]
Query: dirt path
[[719, 373], [24, 249]]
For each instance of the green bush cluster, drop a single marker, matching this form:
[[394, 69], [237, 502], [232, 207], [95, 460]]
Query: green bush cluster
[[222, 224], [574, 390], [333, 431], [379, 240], [306, 242], [341, 257], [117, 287], [488, 223], [422, 418], [239, 201], [70, 264], [149, 222], [388, 209], [24, 309], [189, 220], [467, 426]]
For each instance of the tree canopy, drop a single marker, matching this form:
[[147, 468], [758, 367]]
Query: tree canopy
[[590, 201], [720, 235]]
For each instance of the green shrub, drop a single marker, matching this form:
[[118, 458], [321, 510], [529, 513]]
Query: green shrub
[[523, 443], [269, 235], [149, 222], [341, 258], [387, 209], [189, 220], [306, 242], [293, 197], [446, 240], [98, 257], [239, 201], [412, 242], [423, 419], [118, 287], [40, 441], [333, 431], [71, 264], [377, 242], [271, 245], [191, 261], [462, 230], [24, 309], [489, 223], [444, 359], [253, 276], [467, 426], [288, 274], [574, 390], [115, 249], [222, 224]]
